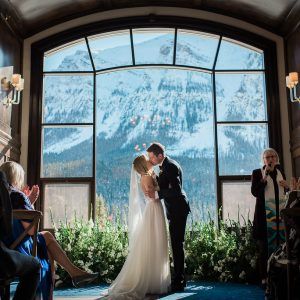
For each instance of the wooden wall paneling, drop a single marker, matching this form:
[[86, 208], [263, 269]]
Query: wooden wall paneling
[[10, 118], [293, 64]]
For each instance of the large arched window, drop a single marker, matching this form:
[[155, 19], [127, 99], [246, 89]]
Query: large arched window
[[106, 97]]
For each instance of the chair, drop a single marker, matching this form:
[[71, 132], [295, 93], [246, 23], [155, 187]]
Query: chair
[[30, 215], [291, 219]]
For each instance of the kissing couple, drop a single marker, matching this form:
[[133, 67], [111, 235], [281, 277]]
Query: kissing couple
[[147, 267]]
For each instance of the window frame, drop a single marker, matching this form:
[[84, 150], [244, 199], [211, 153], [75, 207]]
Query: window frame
[[36, 89]]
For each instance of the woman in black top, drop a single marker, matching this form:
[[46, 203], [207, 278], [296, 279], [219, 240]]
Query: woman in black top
[[269, 187]]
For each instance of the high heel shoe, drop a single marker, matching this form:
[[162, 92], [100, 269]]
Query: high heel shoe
[[82, 280]]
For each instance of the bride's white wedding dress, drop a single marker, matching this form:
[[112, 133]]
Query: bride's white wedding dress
[[146, 269]]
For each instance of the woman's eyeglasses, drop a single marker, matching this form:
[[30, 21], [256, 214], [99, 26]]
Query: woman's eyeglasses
[[270, 156]]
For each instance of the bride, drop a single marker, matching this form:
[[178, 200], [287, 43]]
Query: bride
[[147, 268]]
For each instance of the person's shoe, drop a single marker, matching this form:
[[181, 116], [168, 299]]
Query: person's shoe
[[178, 287], [263, 284], [82, 280]]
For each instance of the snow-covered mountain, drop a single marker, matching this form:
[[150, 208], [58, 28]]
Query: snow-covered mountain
[[137, 106]]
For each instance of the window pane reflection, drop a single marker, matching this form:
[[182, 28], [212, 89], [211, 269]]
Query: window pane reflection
[[153, 46], [111, 49], [68, 99], [196, 49], [67, 151], [234, 55], [240, 147], [241, 97], [237, 201], [69, 57], [63, 202]]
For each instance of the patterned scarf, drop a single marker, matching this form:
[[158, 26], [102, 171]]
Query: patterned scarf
[[273, 206]]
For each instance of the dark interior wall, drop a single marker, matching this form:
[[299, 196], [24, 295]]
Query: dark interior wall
[[10, 55], [293, 64]]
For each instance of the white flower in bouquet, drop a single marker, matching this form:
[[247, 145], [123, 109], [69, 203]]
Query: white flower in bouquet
[[111, 267], [80, 262], [87, 269], [248, 257], [104, 272], [242, 275], [253, 263]]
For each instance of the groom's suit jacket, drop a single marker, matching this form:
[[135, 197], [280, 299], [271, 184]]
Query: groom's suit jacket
[[170, 184]]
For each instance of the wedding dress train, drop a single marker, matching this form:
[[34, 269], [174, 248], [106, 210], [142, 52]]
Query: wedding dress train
[[147, 268]]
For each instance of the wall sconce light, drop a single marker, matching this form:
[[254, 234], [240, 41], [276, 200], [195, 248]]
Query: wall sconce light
[[291, 83], [12, 89]]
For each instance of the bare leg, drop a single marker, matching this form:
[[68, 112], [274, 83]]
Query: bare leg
[[58, 254], [52, 264]]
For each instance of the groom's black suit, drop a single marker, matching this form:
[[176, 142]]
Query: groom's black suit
[[177, 209]]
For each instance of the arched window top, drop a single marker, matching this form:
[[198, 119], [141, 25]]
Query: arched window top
[[107, 96], [234, 55], [73, 56], [111, 49], [154, 46], [196, 48]]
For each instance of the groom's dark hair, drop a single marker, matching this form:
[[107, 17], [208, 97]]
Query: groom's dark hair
[[156, 148]]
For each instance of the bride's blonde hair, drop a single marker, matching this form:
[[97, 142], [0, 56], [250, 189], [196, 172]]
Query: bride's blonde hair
[[140, 165]]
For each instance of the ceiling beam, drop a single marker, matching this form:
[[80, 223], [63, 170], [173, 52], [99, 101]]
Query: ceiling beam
[[10, 19], [291, 22]]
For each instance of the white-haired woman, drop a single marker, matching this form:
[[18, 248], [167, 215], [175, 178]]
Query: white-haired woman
[[48, 250], [269, 187]]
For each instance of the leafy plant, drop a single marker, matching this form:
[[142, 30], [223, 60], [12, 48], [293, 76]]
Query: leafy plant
[[220, 253]]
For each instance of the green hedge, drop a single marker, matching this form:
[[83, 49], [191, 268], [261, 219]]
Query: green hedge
[[219, 253], [224, 253]]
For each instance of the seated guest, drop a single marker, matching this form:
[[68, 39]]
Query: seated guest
[[269, 187], [48, 250], [295, 184], [12, 263]]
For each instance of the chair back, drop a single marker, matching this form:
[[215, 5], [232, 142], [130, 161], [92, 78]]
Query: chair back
[[5, 208], [31, 215], [291, 219]]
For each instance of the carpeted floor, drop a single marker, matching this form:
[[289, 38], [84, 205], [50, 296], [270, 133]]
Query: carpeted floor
[[194, 290]]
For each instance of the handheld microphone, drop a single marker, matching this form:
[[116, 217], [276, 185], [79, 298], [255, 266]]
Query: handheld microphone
[[268, 171]]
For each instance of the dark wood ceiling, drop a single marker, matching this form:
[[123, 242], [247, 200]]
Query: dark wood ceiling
[[27, 17]]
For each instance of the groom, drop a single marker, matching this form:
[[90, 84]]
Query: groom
[[177, 207]]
